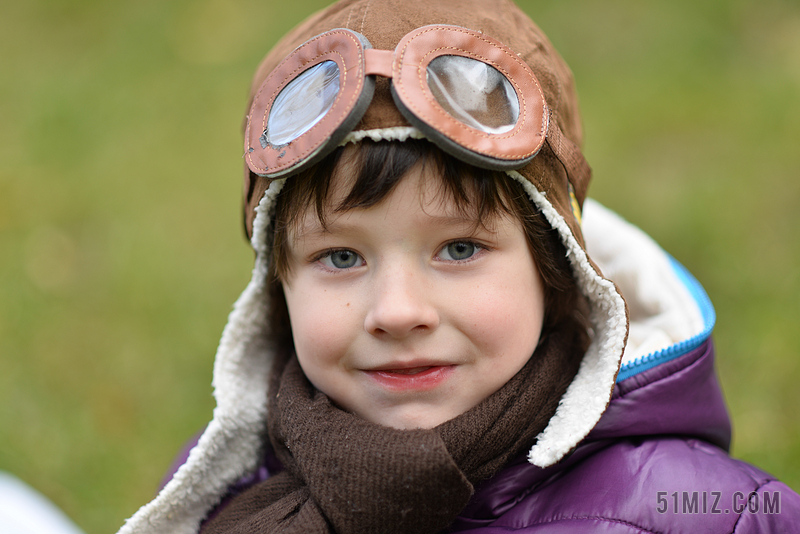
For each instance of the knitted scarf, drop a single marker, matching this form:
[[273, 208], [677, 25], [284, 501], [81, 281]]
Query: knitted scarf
[[345, 475]]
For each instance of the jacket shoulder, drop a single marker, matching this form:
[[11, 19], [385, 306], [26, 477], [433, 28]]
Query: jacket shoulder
[[665, 484]]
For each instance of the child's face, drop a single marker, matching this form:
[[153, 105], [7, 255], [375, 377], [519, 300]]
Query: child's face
[[406, 313]]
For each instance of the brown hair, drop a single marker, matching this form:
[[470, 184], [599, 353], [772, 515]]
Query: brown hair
[[480, 193]]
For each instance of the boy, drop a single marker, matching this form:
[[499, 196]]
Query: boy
[[426, 343]]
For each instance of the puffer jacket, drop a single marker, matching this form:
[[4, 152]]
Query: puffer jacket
[[657, 460]]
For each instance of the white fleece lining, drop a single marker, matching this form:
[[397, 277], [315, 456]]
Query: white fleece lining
[[587, 396], [661, 309], [230, 446], [395, 133]]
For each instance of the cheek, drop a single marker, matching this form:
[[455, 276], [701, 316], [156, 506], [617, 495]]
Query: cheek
[[321, 325], [322, 328], [508, 315]]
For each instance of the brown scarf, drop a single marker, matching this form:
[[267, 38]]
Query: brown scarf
[[345, 475]]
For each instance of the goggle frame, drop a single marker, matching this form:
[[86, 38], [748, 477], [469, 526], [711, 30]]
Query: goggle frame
[[406, 65]]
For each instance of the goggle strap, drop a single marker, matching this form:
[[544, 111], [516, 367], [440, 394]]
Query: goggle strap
[[378, 62], [571, 157]]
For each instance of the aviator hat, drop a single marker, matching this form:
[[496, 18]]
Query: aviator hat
[[551, 170]]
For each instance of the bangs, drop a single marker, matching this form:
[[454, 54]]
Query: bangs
[[371, 170]]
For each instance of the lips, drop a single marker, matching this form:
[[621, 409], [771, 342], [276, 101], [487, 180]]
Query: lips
[[417, 378], [412, 371]]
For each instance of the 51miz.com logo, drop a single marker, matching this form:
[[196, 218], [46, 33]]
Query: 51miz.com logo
[[711, 502]]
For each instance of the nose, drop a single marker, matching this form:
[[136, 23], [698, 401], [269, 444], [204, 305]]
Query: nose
[[402, 304]]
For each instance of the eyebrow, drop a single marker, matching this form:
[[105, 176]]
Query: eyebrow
[[305, 230]]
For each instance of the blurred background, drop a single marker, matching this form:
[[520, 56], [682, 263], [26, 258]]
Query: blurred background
[[121, 249]]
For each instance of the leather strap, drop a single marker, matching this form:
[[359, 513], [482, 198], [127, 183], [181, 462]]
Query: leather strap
[[571, 158], [378, 62]]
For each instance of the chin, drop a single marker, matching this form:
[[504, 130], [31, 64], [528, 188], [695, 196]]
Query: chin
[[410, 420]]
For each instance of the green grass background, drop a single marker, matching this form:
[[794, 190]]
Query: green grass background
[[121, 248]]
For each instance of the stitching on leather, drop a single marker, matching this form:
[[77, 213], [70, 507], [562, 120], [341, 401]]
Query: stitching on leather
[[558, 134], [400, 61], [285, 60], [342, 72], [265, 118], [292, 75], [364, 18], [460, 124], [279, 88]]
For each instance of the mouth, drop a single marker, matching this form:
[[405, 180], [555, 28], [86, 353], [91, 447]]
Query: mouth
[[411, 371], [418, 378]]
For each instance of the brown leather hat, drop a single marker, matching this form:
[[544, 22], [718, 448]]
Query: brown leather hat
[[556, 171]]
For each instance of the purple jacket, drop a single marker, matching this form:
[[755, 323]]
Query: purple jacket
[[656, 462]]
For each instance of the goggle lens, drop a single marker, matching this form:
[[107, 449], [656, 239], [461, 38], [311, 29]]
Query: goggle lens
[[473, 97], [302, 104], [474, 93]]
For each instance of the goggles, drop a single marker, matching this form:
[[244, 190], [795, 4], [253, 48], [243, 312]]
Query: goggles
[[469, 94]]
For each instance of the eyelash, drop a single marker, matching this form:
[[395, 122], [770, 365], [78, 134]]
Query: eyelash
[[478, 248], [330, 252]]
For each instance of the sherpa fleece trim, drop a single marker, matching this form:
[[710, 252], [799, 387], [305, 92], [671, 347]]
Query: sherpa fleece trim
[[230, 447], [395, 133], [587, 396], [662, 310]]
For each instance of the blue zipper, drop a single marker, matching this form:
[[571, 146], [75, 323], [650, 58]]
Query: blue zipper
[[643, 363]]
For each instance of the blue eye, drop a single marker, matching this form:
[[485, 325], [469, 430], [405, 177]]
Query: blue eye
[[459, 251], [341, 259]]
